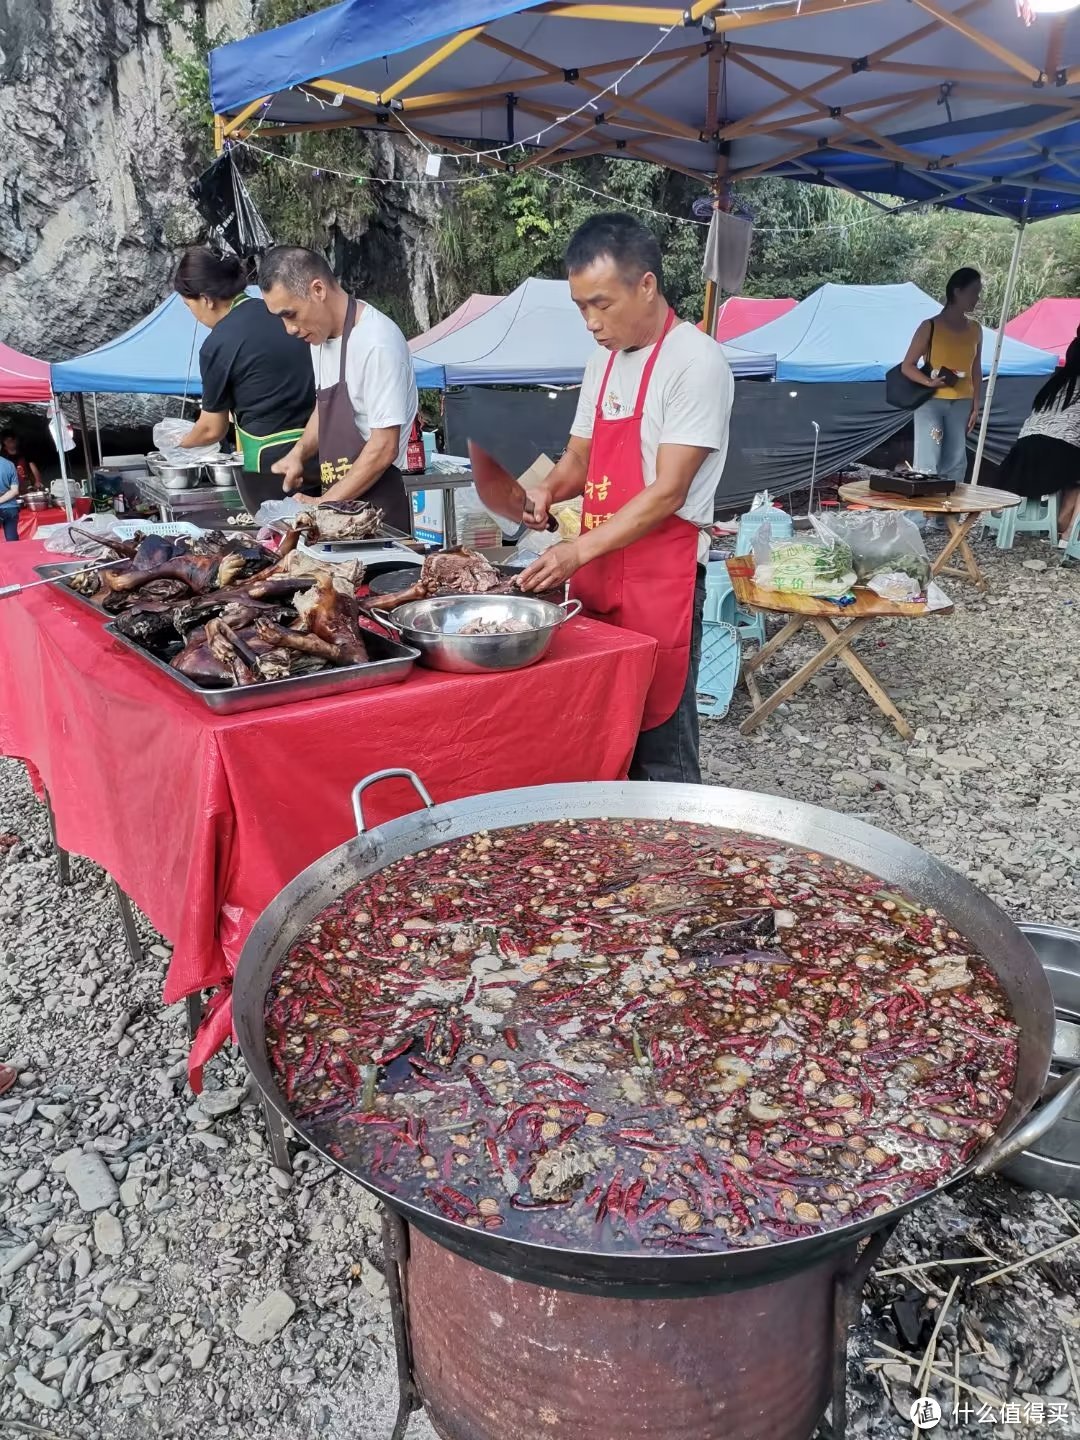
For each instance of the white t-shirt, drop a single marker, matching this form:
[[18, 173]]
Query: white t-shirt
[[688, 403], [378, 373]]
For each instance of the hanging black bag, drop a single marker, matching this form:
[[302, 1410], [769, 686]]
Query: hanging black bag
[[903, 393]]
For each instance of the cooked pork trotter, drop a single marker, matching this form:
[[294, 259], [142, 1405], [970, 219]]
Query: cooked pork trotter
[[304, 642], [200, 573]]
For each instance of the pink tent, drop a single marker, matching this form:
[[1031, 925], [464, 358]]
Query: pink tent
[[741, 314], [1049, 324], [470, 309], [23, 380]]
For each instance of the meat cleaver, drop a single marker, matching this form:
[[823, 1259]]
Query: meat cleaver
[[498, 490]]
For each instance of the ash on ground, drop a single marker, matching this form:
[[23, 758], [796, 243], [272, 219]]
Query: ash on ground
[[158, 1278]]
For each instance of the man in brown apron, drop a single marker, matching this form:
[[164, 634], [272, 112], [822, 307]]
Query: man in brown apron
[[365, 387]]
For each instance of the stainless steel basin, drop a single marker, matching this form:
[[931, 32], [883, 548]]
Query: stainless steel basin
[[1053, 1164]]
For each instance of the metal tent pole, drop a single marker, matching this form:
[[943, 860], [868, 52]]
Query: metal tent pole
[[97, 432], [991, 383], [58, 421], [88, 454]]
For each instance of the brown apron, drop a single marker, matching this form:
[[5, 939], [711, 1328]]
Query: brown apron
[[340, 442]]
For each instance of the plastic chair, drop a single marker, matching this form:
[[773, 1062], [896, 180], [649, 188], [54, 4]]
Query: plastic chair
[[1031, 517], [751, 628], [1072, 547], [718, 673]]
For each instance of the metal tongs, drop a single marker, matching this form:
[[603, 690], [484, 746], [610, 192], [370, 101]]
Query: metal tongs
[[52, 579]]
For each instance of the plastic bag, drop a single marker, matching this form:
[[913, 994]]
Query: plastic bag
[[275, 512], [894, 585], [807, 567], [879, 541], [167, 436]]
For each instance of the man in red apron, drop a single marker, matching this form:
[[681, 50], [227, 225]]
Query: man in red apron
[[365, 387], [646, 452]]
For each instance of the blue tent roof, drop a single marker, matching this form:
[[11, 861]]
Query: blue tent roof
[[912, 100], [858, 332], [160, 356], [535, 336]]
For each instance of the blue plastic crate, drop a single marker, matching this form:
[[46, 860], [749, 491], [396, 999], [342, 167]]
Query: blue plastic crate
[[719, 671]]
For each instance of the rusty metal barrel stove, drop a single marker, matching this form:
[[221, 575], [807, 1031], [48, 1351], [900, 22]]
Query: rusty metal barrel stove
[[498, 1358]]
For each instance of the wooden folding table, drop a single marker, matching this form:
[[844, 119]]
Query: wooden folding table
[[962, 510], [839, 627]]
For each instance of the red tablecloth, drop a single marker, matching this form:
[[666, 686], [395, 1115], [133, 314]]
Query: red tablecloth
[[202, 819], [30, 521]]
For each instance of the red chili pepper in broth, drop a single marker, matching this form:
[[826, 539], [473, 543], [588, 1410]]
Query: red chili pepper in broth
[[385, 1056], [511, 1038]]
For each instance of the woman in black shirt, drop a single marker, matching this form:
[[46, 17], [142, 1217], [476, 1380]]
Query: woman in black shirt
[[250, 366]]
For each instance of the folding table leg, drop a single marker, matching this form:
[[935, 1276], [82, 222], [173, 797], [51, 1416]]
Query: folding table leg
[[960, 528], [193, 1008], [865, 677], [783, 692], [275, 1133], [63, 859], [127, 923]]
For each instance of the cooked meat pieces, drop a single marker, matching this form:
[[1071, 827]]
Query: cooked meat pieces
[[342, 520], [495, 627], [459, 572]]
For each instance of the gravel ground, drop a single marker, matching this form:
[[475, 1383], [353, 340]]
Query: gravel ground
[[139, 1229]]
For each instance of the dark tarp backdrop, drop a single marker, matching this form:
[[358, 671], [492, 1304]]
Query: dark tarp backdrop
[[772, 436]]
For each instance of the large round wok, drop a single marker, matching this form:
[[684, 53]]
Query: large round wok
[[894, 861]]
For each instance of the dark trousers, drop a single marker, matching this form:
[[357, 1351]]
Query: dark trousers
[[9, 517], [670, 751]]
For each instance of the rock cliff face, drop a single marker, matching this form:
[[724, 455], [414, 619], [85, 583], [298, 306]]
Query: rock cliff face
[[93, 177]]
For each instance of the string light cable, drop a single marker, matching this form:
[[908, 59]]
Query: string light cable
[[427, 183]]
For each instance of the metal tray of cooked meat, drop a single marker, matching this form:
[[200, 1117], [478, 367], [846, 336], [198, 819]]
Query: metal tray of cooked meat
[[390, 664], [50, 572]]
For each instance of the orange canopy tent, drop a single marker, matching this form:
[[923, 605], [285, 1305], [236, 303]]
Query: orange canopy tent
[[1049, 324]]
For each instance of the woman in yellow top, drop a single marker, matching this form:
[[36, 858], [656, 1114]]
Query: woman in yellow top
[[945, 355]]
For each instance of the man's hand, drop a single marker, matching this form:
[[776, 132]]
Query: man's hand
[[973, 419], [292, 467], [538, 504], [552, 569]]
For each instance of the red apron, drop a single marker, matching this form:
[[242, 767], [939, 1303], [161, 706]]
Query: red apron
[[647, 586]]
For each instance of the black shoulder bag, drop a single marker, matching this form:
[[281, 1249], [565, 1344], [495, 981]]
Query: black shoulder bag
[[903, 393]]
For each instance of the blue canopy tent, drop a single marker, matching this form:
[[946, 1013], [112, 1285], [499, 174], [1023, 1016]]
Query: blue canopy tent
[[944, 102], [535, 336], [832, 353], [859, 332], [928, 101], [158, 356]]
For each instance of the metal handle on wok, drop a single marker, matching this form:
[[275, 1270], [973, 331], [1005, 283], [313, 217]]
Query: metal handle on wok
[[383, 618], [361, 785], [1056, 1099], [570, 608]]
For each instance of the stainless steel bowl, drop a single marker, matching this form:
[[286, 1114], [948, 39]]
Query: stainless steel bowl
[[433, 627], [173, 477], [225, 473], [37, 500], [1053, 1163]]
